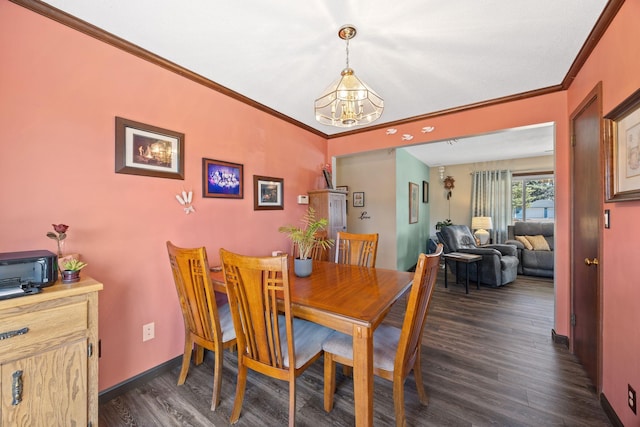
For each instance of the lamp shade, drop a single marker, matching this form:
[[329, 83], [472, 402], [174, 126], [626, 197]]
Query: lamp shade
[[481, 224]]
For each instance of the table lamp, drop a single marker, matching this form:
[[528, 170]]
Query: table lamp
[[481, 224]]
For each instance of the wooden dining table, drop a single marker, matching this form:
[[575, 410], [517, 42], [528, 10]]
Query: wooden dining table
[[350, 299]]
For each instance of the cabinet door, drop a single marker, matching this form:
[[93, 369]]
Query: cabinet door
[[337, 213], [53, 388]]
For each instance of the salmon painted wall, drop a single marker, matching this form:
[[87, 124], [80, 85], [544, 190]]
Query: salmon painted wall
[[616, 62], [60, 92]]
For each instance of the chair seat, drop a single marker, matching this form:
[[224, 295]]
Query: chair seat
[[226, 323], [385, 346], [308, 337]]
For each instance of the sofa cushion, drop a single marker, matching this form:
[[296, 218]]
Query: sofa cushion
[[538, 242], [525, 242]]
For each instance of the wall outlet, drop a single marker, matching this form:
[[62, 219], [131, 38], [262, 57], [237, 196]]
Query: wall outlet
[[631, 397], [148, 331]]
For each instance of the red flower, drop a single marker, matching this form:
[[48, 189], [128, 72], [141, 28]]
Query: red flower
[[59, 235], [60, 228]]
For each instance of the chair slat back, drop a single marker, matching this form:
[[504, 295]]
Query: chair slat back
[[356, 249], [417, 308], [254, 286], [190, 269]]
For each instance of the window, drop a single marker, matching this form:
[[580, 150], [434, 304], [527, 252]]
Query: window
[[533, 198]]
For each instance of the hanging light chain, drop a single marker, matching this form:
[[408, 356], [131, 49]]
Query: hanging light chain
[[347, 50]]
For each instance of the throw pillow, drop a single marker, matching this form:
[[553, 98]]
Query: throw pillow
[[538, 242], [525, 242]]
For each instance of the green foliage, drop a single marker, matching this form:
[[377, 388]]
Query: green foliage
[[443, 223], [306, 236], [74, 265]]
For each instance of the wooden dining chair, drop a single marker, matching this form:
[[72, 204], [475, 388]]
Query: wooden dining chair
[[395, 351], [356, 249], [270, 340], [206, 326]]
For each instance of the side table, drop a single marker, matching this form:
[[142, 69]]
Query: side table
[[467, 259]]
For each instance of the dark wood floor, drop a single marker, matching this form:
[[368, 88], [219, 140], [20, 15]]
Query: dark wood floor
[[488, 360]]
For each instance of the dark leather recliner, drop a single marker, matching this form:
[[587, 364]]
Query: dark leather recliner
[[499, 264]]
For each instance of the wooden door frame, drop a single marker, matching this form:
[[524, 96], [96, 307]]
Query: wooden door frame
[[596, 93]]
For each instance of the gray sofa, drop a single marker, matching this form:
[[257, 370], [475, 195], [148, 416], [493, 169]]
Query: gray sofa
[[533, 262], [499, 264]]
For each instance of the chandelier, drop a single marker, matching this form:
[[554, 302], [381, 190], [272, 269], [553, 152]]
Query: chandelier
[[348, 101]]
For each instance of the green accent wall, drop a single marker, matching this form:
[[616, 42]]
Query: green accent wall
[[411, 239]]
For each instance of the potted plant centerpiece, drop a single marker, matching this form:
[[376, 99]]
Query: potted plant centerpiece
[[306, 238], [71, 270]]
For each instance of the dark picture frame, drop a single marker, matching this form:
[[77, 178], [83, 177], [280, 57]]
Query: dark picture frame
[[622, 151], [425, 192], [222, 179], [358, 199], [328, 179], [147, 150], [414, 197], [268, 193], [344, 188]]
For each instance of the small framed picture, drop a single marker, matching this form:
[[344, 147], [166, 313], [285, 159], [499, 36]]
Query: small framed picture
[[327, 178], [425, 192], [344, 188], [222, 179], [358, 199], [414, 198], [268, 193], [148, 150], [622, 151]]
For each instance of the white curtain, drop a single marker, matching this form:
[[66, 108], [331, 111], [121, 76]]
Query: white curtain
[[491, 196]]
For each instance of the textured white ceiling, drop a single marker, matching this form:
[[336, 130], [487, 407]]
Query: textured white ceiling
[[421, 56], [527, 141]]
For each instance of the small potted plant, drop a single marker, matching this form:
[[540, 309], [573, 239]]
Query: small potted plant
[[306, 238], [71, 270], [444, 223]]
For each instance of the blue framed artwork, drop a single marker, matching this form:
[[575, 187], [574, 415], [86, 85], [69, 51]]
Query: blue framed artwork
[[222, 179]]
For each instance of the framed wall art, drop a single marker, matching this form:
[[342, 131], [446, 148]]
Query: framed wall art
[[222, 179], [268, 193], [358, 199], [425, 192], [327, 178], [414, 198], [344, 188], [148, 150], [622, 151]]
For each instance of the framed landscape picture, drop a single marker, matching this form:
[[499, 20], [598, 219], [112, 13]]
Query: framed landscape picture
[[268, 193], [148, 150], [222, 179]]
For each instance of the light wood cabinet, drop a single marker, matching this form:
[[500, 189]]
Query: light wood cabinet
[[49, 357], [330, 204]]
